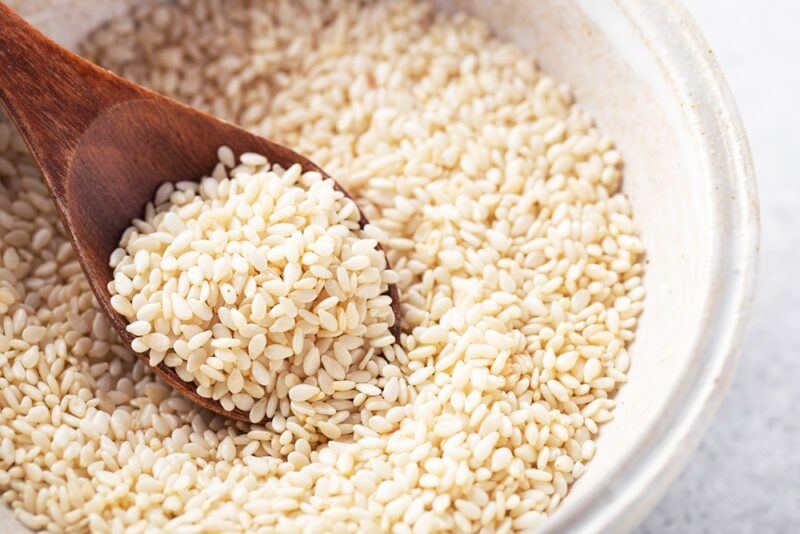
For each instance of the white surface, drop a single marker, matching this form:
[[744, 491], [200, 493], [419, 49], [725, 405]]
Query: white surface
[[746, 475]]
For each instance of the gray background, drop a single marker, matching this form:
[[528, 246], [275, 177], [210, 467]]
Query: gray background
[[745, 477]]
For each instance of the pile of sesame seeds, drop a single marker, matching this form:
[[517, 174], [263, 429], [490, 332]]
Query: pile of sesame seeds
[[258, 285], [517, 261]]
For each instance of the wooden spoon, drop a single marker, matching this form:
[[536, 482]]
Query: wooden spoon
[[104, 145]]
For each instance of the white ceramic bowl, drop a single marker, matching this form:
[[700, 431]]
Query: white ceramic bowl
[[647, 75]]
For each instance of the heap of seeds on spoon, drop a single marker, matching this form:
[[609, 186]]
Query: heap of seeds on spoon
[[258, 285]]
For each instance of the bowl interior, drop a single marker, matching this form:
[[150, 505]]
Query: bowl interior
[[598, 48]]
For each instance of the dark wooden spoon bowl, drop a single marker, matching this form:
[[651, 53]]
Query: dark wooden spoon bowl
[[104, 146]]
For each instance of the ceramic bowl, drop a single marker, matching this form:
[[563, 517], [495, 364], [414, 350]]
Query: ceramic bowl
[[644, 71]]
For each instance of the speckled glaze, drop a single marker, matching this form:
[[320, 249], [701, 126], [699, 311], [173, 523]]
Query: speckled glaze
[[644, 71]]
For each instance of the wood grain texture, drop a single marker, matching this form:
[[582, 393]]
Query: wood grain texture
[[104, 146]]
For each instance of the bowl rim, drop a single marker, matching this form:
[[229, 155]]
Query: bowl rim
[[686, 60]]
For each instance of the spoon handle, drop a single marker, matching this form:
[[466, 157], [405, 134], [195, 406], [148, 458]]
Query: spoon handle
[[51, 94]]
